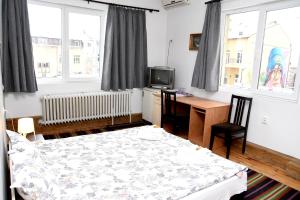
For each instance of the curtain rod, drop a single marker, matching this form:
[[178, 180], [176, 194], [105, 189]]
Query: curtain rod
[[212, 1], [125, 6]]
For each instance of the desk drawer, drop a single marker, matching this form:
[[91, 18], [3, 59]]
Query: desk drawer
[[200, 111]]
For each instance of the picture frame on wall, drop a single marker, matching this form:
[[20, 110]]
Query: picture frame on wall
[[194, 41]]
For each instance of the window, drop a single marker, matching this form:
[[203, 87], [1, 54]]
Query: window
[[240, 36], [227, 57], [76, 59], [281, 50], [43, 69], [65, 46], [267, 54], [85, 38], [45, 25], [239, 58]]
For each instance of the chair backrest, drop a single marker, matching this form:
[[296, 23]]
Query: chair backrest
[[168, 98], [238, 105]]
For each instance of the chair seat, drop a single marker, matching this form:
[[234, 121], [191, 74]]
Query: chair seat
[[228, 127]]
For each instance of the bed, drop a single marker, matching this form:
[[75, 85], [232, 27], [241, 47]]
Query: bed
[[137, 163]]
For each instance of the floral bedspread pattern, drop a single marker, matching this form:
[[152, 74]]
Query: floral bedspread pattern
[[126, 165]]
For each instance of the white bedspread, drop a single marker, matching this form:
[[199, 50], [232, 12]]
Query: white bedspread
[[131, 164]]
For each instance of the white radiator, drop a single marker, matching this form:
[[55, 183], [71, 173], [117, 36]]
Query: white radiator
[[85, 106]]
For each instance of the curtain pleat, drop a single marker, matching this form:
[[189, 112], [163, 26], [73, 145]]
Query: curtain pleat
[[125, 56], [207, 66], [17, 58]]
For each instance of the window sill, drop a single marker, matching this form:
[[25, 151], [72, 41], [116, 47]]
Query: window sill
[[60, 81], [292, 98], [237, 90]]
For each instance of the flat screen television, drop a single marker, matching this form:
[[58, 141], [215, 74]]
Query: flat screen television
[[161, 77]]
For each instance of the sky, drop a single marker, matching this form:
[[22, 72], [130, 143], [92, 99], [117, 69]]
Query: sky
[[46, 22], [244, 22]]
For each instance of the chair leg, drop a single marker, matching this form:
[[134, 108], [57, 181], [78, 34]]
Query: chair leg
[[212, 138], [244, 143], [228, 141]]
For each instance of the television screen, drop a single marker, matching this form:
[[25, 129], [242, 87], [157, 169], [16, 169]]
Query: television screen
[[160, 77]]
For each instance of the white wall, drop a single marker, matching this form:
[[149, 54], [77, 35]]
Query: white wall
[[20, 105], [282, 133]]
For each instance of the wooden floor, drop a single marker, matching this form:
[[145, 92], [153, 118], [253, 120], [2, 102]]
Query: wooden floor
[[275, 173]]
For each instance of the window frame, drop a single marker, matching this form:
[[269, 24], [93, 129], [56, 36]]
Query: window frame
[[66, 9], [263, 9]]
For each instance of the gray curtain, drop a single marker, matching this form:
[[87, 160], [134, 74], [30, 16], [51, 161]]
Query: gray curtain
[[17, 59], [207, 67], [125, 54]]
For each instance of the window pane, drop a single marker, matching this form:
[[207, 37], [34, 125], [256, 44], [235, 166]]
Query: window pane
[[281, 50], [84, 49], [45, 27], [239, 48]]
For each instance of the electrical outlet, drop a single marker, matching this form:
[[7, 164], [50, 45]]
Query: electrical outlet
[[265, 120]]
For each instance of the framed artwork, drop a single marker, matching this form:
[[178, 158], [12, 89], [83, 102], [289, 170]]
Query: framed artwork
[[194, 41]]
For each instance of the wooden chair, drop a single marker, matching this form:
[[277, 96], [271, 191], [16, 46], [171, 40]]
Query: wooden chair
[[234, 128], [169, 111]]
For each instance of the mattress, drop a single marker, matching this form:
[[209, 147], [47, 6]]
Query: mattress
[[223, 190], [139, 163], [220, 191]]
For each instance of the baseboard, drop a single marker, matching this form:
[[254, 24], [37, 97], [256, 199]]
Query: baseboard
[[12, 124]]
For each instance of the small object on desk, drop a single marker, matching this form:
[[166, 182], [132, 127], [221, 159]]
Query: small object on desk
[[173, 90], [184, 94]]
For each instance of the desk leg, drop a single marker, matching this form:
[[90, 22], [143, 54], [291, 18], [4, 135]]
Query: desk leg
[[196, 126]]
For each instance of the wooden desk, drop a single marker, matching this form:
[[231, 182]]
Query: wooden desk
[[203, 114]]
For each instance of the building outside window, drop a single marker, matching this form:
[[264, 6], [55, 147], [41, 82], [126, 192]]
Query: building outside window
[[77, 58], [83, 57], [240, 36], [227, 57], [267, 54], [45, 27], [43, 69], [239, 58]]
